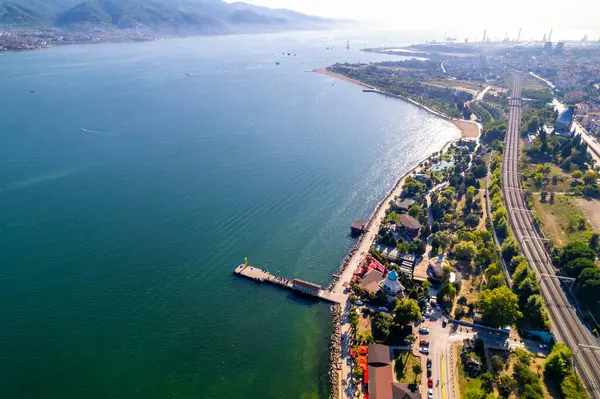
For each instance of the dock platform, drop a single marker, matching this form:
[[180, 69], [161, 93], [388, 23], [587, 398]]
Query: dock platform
[[262, 276]]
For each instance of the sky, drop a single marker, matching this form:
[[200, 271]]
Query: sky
[[534, 16]]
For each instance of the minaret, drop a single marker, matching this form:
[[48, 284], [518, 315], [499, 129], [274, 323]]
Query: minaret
[[519, 36], [550, 36], [484, 35]]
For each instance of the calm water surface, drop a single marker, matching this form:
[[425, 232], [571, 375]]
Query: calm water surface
[[134, 179]]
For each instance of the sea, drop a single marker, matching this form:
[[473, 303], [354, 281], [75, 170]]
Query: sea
[[135, 177]]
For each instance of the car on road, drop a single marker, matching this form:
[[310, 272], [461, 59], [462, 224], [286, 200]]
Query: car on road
[[424, 330], [424, 343], [429, 372], [428, 363], [543, 346], [444, 322], [424, 350], [383, 309], [358, 303], [430, 382], [430, 393]]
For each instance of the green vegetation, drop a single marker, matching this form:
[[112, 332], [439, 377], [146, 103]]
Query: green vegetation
[[499, 307], [562, 220], [558, 369], [408, 368], [407, 310], [445, 100]]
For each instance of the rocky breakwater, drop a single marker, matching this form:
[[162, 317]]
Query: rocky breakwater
[[335, 350]]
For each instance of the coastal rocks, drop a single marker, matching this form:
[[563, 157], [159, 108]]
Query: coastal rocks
[[335, 350]]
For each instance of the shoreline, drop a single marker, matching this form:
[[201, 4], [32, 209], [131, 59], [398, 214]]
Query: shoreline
[[468, 129], [340, 371]]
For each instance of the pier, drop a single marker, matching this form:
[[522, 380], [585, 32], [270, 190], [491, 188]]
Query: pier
[[305, 287]]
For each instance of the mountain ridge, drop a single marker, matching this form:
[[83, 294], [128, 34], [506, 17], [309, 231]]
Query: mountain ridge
[[159, 16]]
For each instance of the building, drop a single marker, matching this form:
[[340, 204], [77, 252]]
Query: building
[[391, 285], [357, 227], [306, 287], [574, 96], [404, 204], [410, 224], [564, 122], [380, 382], [436, 267], [371, 281]]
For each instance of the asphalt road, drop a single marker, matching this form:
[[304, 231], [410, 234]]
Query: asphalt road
[[566, 323]]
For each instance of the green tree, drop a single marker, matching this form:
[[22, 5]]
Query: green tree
[[407, 310], [414, 210], [575, 250], [590, 177], [417, 369], [382, 323], [497, 364], [465, 250], [536, 312], [499, 307], [507, 385], [557, 362], [589, 280], [509, 248], [595, 241], [523, 355], [575, 267]]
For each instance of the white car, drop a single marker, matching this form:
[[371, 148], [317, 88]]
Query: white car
[[430, 393], [383, 309], [359, 303], [424, 350]]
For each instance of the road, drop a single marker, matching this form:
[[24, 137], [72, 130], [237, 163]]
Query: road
[[442, 352], [566, 324]]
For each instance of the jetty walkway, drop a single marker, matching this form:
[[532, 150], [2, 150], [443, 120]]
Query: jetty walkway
[[305, 287]]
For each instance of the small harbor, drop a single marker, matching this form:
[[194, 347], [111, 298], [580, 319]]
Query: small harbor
[[298, 285]]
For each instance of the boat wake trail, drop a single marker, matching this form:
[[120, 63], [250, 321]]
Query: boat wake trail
[[99, 131]]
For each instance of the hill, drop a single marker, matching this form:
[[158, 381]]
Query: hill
[[169, 16]]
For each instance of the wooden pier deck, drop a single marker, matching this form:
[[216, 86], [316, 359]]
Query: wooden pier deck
[[262, 276]]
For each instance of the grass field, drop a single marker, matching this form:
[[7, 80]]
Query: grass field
[[563, 221], [403, 368], [562, 185], [464, 381]]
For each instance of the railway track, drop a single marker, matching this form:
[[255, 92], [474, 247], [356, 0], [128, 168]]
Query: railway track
[[567, 326]]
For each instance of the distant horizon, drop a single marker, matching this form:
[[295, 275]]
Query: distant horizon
[[464, 19]]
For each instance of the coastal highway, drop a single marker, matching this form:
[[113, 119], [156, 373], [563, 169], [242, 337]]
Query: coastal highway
[[566, 323]]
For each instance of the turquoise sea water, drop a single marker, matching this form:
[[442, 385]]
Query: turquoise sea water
[[135, 177]]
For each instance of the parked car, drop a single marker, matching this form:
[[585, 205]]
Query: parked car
[[444, 322], [543, 346], [424, 330], [430, 393], [359, 303], [383, 309], [424, 350], [424, 343], [428, 371], [430, 382], [428, 363]]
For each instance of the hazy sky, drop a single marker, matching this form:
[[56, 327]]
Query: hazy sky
[[533, 15]]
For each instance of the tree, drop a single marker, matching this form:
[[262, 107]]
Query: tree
[[509, 248], [496, 281], [472, 220], [382, 323], [536, 312], [465, 250], [557, 362], [414, 210], [595, 241], [410, 339], [407, 310], [575, 250], [499, 307], [417, 369], [533, 125], [507, 385], [523, 355], [497, 364], [589, 279], [590, 177], [575, 267]]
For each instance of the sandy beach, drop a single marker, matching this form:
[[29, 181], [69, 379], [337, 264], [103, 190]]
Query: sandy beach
[[468, 129]]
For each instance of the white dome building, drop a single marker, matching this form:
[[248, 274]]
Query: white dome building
[[391, 284]]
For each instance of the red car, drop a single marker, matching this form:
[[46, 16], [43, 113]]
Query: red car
[[430, 382], [423, 343]]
